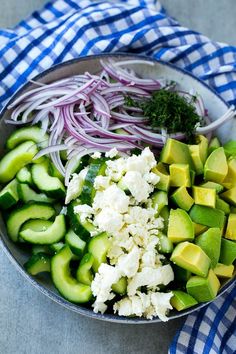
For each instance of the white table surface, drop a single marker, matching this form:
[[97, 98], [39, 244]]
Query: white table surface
[[30, 322]]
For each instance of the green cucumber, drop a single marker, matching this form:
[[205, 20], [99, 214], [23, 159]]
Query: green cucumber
[[41, 249], [81, 228], [53, 233], [68, 286], [52, 186], [77, 245], [98, 247], [120, 287], [27, 194], [24, 175], [84, 272], [9, 195], [96, 168], [38, 263], [15, 159], [165, 244], [56, 247], [159, 200], [19, 216], [21, 135]]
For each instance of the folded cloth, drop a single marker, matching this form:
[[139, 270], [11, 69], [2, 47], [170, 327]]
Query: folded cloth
[[67, 29]]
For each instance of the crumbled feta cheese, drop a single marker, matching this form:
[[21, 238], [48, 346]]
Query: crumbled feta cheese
[[96, 155], [84, 210], [128, 264], [150, 277], [116, 169], [112, 197], [109, 220], [101, 285], [137, 185], [151, 178], [112, 153], [75, 185], [101, 182], [161, 303]]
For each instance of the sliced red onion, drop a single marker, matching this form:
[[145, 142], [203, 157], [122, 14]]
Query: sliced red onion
[[218, 122]]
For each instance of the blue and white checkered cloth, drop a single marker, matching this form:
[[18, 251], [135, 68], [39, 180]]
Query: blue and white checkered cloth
[[66, 29]]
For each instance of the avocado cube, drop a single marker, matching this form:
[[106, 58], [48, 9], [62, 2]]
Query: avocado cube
[[182, 198], [204, 196], [175, 151], [203, 289], [216, 166], [195, 154], [230, 148], [214, 144], [159, 200], [210, 242], [231, 227], [233, 210], [218, 187], [180, 226], [229, 196], [164, 182], [181, 300], [192, 177], [180, 274], [223, 270], [199, 229], [230, 179], [191, 257], [222, 205], [204, 215], [227, 251], [180, 175]]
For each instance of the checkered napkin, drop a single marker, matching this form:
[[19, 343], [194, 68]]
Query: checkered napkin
[[66, 29]]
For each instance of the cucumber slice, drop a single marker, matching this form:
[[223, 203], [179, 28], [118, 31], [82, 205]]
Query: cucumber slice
[[120, 287], [37, 225], [81, 228], [24, 175], [15, 159], [77, 245], [68, 286], [9, 195], [52, 186], [159, 200], [52, 234], [32, 211], [41, 249], [38, 263], [84, 274], [165, 245], [97, 167], [98, 247], [27, 194], [21, 135], [56, 247]]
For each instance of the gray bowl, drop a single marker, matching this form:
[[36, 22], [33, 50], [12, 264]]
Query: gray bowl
[[215, 105]]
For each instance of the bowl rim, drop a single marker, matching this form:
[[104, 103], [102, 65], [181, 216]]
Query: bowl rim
[[56, 297]]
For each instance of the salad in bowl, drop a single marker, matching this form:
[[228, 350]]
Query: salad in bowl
[[118, 188]]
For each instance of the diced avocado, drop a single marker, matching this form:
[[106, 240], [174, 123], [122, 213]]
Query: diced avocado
[[159, 200], [214, 144], [218, 187], [203, 289], [230, 179], [192, 177], [164, 182], [210, 242], [195, 154], [180, 175], [222, 205], [204, 196], [204, 215], [181, 300], [191, 257], [227, 252], [231, 227], [233, 209], [203, 146], [165, 213], [229, 196], [182, 198], [223, 270], [230, 148], [175, 151], [180, 227], [199, 229], [180, 274], [216, 167]]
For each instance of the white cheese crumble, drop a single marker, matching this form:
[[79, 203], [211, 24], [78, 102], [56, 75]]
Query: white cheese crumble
[[75, 185], [96, 155], [112, 153], [84, 210]]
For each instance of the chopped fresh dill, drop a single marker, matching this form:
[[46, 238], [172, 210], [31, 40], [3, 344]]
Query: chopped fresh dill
[[168, 110]]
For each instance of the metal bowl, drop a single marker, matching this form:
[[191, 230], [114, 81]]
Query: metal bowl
[[215, 105]]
